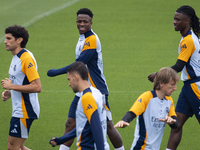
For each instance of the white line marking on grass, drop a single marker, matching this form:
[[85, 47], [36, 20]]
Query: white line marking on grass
[[45, 14], [46, 91]]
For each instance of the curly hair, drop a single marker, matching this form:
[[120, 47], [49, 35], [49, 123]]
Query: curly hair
[[18, 31], [85, 11]]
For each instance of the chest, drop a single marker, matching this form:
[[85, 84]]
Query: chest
[[79, 46], [15, 70]]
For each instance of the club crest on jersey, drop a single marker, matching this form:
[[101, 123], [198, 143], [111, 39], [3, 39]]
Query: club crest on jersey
[[167, 109], [89, 107], [14, 68]]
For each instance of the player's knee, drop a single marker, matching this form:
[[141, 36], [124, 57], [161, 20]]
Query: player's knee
[[177, 130], [10, 146]]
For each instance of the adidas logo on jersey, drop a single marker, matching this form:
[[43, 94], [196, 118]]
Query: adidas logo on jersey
[[87, 44], [30, 65], [14, 131], [184, 46], [89, 107]]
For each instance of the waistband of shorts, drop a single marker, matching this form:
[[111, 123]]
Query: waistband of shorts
[[192, 80]]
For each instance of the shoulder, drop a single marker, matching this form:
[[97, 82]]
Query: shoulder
[[189, 38], [147, 95], [144, 98], [25, 54], [169, 98]]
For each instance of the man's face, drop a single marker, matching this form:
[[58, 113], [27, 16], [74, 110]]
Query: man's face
[[168, 88], [10, 42], [180, 21], [84, 23], [73, 82]]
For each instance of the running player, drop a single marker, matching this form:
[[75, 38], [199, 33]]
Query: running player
[[188, 103], [22, 86]]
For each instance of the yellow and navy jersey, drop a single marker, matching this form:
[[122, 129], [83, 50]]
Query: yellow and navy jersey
[[189, 51], [91, 123], [23, 70], [88, 50], [149, 130]]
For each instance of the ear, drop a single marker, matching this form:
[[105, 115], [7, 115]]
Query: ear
[[187, 20], [76, 76], [161, 85], [19, 40]]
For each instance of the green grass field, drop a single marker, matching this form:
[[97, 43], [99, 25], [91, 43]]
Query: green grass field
[[137, 39]]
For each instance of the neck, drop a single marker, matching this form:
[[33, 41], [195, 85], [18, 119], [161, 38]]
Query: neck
[[83, 85], [185, 31], [159, 94], [16, 51]]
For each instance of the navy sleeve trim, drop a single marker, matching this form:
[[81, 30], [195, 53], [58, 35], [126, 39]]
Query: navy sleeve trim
[[175, 125], [178, 67], [129, 116], [97, 130], [70, 135]]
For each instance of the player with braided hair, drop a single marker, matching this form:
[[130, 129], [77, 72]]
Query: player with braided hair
[[188, 104]]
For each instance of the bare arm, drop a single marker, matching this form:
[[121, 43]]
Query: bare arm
[[33, 87]]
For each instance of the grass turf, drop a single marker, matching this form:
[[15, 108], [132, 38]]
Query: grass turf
[[137, 39]]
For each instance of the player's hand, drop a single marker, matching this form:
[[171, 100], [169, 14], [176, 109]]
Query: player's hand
[[6, 84], [52, 142], [6, 95], [152, 76], [121, 124], [168, 120]]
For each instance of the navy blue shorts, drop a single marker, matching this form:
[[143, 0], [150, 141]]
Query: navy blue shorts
[[19, 127], [189, 99]]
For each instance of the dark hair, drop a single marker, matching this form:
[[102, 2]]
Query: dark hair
[[190, 12], [85, 11], [164, 76], [80, 68], [18, 31]]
